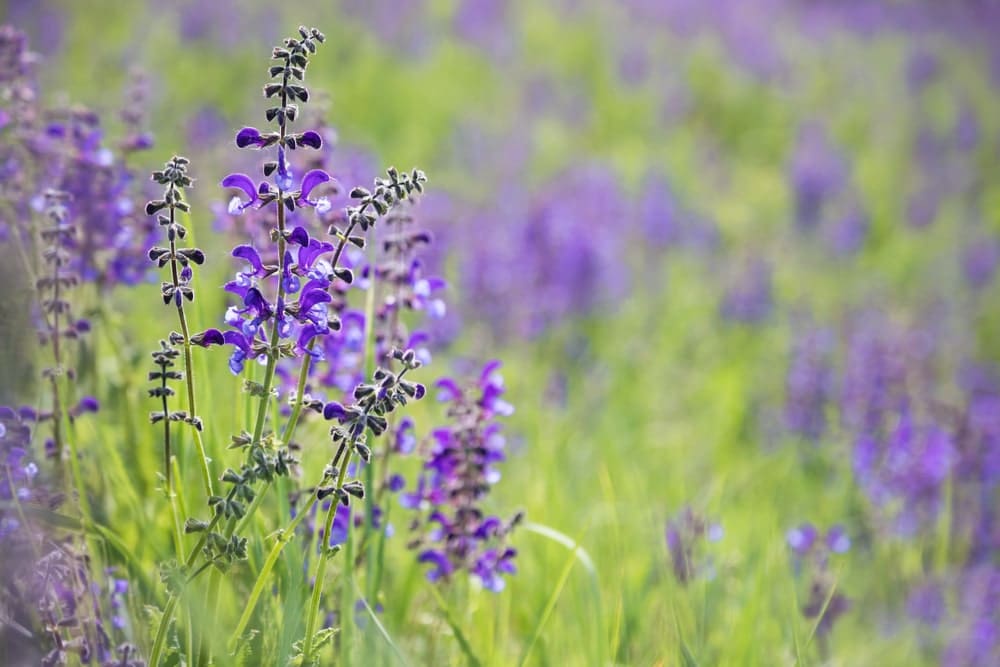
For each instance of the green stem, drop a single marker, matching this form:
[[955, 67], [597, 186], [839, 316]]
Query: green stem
[[168, 613], [318, 583], [284, 537], [206, 473]]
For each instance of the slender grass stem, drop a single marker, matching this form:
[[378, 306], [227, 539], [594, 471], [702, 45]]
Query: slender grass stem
[[283, 538]]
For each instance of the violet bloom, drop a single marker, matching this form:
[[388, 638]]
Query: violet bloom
[[906, 469], [686, 536], [802, 538], [874, 379], [847, 234], [462, 466], [659, 214], [926, 604], [809, 384], [750, 299], [976, 638], [980, 258], [300, 320], [817, 173], [486, 24]]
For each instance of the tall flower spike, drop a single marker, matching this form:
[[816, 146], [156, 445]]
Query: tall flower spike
[[456, 533], [175, 179]]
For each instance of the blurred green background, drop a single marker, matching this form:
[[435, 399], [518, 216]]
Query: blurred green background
[[638, 390]]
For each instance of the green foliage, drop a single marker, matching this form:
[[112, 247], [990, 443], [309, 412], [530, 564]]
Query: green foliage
[[668, 415]]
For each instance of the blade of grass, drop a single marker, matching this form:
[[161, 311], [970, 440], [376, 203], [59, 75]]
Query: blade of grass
[[822, 610], [449, 618], [576, 554], [378, 624]]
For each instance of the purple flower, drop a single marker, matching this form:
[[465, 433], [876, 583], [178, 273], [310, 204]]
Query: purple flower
[[686, 535], [749, 299], [817, 173], [979, 261], [246, 184], [908, 468], [312, 179], [441, 565], [802, 538], [809, 384], [457, 475], [249, 136]]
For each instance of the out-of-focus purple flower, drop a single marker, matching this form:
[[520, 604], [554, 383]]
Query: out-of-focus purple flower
[[926, 604], [749, 300], [802, 538], [874, 379], [686, 535], [906, 469], [485, 23], [921, 69], [809, 384], [980, 258], [967, 130], [817, 173], [823, 606], [847, 233], [458, 474], [975, 641]]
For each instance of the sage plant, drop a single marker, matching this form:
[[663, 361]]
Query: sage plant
[[452, 531], [285, 295]]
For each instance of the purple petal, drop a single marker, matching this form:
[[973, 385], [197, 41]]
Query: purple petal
[[334, 410], [837, 540], [311, 180], [238, 339], [299, 236], [208, 337], [442, 567], [283, 178], [248, 136], [448, 390], [243, 182], [309, 332], [311, 298], [489, 370], [801, 539], [308, 255], [86, 404], [251, 256], [311, 139]]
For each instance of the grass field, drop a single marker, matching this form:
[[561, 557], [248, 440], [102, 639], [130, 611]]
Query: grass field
[[737, 258]]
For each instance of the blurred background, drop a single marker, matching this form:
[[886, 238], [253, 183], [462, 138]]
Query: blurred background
[[739, 260]]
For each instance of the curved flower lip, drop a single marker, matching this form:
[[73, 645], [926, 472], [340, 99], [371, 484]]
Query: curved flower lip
[[312, 178], [449, 390], [251, 256], [309, 332], [309, 182], [487, 376], [442, 566], [309, 254], [299, 236], [311, 139], [312, 297], [334, 410], [208, 337], [244, 183], [249, 136], [238, 339]]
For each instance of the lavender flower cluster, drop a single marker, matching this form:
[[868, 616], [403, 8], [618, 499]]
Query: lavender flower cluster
[[452, 530]]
